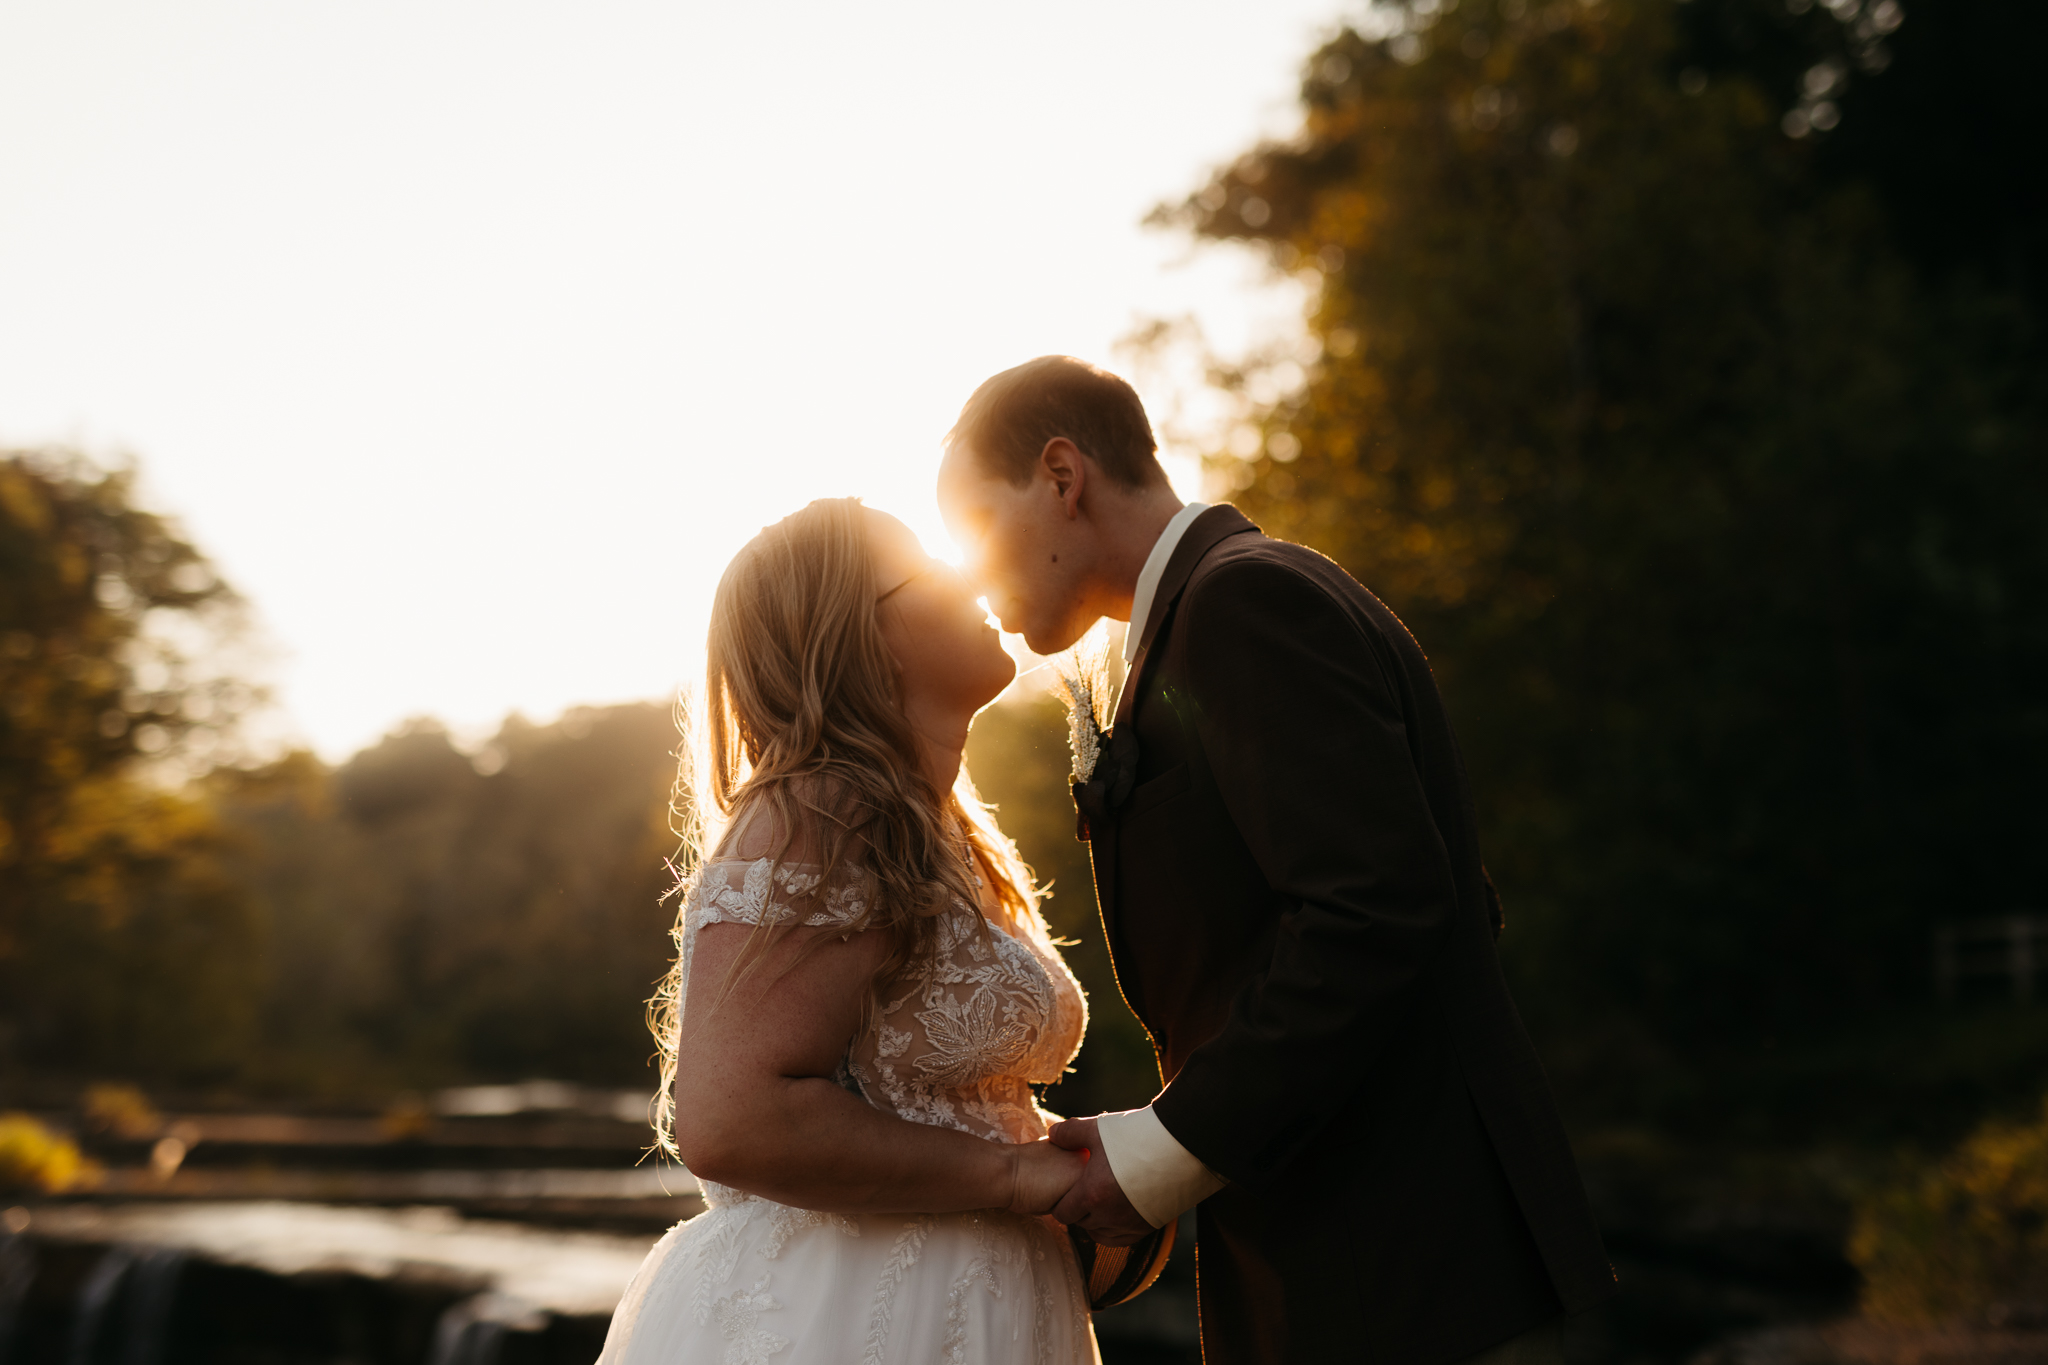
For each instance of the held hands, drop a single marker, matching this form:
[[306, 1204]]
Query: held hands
[[1068, 1176], [1040, 1173], [1095, 1202]]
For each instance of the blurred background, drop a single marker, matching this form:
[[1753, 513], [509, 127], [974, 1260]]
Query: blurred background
[[382, 389]]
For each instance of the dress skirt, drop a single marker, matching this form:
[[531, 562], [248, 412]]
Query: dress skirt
[[752, 1282]]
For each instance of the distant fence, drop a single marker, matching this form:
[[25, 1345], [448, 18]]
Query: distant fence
[[2013, 947]]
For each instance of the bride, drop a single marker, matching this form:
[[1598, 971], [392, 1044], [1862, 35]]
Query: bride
[[864, 993]]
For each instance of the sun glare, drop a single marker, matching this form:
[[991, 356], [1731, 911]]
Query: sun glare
[[474, 387]]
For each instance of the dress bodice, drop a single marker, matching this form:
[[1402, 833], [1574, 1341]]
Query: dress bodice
[[958, 1041]]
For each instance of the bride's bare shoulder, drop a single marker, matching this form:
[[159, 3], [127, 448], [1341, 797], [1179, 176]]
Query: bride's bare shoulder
[[800, 823]]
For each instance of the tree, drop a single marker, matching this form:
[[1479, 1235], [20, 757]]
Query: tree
[[122, 944], [437, 917], [1718, 521], [1928, 108]]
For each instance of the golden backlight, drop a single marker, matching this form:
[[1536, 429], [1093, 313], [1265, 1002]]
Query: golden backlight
[[472, 339]]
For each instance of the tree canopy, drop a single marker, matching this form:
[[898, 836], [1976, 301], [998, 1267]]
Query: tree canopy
[[418, 915], [1716, 507], [121, 934]]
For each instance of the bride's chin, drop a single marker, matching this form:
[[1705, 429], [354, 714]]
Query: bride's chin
[[999, 678]]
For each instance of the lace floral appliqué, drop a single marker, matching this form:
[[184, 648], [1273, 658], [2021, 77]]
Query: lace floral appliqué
[[960, 1042]]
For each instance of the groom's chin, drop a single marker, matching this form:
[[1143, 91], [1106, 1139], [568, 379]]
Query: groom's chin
[[1044, 643], [1044, 633]]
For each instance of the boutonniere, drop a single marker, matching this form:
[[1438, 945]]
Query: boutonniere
[[1084, 677], [1084, 732]]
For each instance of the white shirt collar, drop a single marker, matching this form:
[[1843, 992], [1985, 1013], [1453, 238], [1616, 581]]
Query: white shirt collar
[[1154, 570]]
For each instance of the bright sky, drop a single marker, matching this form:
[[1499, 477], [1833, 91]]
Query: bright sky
[[470, 339]]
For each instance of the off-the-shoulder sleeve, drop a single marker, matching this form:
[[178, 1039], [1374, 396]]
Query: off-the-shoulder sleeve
[[762, 891]]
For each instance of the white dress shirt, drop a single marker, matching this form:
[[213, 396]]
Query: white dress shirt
[[1160, 1177], [1154, 570]]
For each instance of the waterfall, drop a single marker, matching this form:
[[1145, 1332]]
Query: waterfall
[[17, 1272], [99, 1284], [474, 1330], [124, 1309], [152, 1294]]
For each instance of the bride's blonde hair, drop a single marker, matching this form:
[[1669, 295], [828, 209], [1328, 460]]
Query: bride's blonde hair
[[800, 731]]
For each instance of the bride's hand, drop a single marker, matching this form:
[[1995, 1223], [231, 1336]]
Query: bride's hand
[[1040, 1174]]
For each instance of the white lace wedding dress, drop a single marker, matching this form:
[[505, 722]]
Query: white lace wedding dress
[[752, 1282]]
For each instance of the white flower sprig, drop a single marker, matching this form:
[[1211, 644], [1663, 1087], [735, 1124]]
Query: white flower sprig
[[1084, 735], [1084, 675]]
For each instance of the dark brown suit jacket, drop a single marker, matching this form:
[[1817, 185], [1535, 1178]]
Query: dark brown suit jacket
[[1288, 870]]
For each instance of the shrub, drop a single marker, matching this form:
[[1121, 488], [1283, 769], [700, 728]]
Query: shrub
[[1966, 1239]]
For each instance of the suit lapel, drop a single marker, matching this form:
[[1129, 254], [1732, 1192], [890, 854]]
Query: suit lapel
[[1202, 535], [1214, 525]]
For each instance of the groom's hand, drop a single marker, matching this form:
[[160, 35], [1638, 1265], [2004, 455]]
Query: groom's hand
[[1096, 1203]]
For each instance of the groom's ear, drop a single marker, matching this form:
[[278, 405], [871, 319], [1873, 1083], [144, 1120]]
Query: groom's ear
[[1067, 470]]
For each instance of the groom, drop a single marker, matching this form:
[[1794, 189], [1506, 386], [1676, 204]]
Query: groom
[[1288, 869]]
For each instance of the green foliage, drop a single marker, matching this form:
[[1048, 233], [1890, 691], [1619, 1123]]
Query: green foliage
[[431, 922], [1720, 526], [121, 940], [1965, 1239], [145, 951], [88, 685], [1020, 761], [407, 918]]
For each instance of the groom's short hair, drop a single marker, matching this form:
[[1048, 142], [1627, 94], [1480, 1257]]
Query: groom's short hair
[[1008, 420]]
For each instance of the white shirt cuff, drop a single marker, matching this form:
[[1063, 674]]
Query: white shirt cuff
[[1161, 1178]]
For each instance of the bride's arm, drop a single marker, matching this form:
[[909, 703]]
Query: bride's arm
[[757, 1107]]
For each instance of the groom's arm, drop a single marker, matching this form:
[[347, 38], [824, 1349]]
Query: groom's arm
[[1303, 727]]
